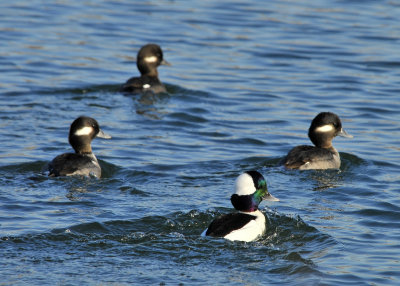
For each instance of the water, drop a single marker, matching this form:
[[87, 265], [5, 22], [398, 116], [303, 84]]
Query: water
[[247, 79]]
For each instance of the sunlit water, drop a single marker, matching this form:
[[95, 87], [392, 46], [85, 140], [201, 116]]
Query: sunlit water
[[247, 78]]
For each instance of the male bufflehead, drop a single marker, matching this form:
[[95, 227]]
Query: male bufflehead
[[148, 59], [324, 127], [249, 223], [83, 162]]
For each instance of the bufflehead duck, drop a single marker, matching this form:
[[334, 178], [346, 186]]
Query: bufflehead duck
[[148, 59], [249, 223], [324, 127], [83, 162]]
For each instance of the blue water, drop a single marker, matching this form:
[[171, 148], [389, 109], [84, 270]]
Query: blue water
[[247, 77]]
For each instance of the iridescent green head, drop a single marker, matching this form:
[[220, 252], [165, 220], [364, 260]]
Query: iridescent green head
[[250, 190]]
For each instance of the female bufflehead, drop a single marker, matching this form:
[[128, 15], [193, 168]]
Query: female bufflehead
[[324, 127], [148, 59], [83, 162], [249, 223]]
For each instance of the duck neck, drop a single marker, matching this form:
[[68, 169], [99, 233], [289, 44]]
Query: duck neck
[[81, 144], [245, 203], [86, 150], [326, 145], [146, 70], [321, 141], [251, 213]]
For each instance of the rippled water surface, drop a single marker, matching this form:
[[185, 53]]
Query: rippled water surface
[[247, 77]]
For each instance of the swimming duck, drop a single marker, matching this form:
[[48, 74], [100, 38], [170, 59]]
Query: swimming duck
[[324, 127], [83, 162], [149, 58], [248, 223]]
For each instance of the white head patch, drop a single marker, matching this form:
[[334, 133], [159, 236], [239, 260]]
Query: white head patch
[[325, 128], [146, 85], [151, 59], [84, 131], [244, 185]]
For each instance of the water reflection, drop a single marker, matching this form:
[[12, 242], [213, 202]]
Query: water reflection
[[151, 105]]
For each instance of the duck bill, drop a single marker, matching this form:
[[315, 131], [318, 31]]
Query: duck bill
[[103, 135], [165, 63], [270, 198], [343, 133]]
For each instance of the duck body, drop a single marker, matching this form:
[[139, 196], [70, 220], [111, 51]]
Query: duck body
[[306, 157], [70, 164], [238, 226], [143, 84]]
